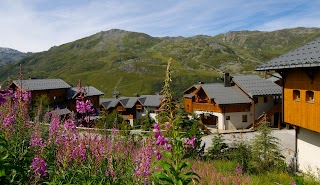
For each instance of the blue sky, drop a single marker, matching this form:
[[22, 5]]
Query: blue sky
[[37, 25]]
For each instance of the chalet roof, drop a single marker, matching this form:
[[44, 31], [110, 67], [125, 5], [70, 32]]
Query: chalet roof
[[129, 102], [89, 91], [109, 102], [275, 77], [61, 112], [225, 95], [151, 100], [253, 85], [307, 55], [41, 84], [188, 95]]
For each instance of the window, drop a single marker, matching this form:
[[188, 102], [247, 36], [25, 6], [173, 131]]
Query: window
[[227, 117], [255, 99], [296, 95], [265, 99], [244, 118], [310, 96]]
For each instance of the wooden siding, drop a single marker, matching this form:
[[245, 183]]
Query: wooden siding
[[191, 106], [236, 108], [188, 105], [206, 107], [302, 113]]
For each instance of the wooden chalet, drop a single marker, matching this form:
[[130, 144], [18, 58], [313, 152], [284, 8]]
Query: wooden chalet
[[54, 89], [131, 108], [300, 72], [237, 103]]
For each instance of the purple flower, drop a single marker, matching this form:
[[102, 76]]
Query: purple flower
[[7, 121], [161, 140], [190, 142], [54, 124], [79, 151], [22, 96], [70, 125], [80, 107], [143, 162], [3, 95], [83, 107], [158, 154], [37, 142], [26, 96], [39, 167]]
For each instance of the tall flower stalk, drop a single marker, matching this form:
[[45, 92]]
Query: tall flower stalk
[[175, 147]]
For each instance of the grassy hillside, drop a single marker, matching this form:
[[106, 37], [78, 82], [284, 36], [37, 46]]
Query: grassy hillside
[[132, 62]]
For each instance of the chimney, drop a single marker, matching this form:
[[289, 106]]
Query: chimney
[[200, 82], [136, 95], [227, 79]]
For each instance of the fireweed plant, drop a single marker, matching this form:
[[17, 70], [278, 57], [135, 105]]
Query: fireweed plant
[[84, 108], [172, 148]]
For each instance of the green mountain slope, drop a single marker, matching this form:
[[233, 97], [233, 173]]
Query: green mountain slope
[[8, 55], [131, 62]]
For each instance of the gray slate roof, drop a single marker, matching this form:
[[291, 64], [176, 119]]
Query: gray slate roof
[[151, 100], [307, 55], [275, 77], [129, 102], [41, 84], [225, 95], [254, 85], [61, 112], [89, 91], [109, 102]]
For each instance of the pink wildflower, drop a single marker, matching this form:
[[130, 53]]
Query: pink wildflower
[[7, 121], [39, 167], [158, 154], [37, 142], [190, 142], [69, 125]]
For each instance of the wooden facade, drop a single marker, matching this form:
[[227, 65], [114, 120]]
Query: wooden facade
[[54, 95], [302, 98]]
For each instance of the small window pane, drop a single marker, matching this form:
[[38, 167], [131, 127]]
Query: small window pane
[[310, 96], [296, 95], [265, 99], [227, 117], [244, 118]]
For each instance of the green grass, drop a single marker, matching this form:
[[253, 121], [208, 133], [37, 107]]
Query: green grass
[[104, 58]]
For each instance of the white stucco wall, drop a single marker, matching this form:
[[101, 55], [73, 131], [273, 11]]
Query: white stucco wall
[[235, 121], [308, 150], [220, 116], [151, 110]]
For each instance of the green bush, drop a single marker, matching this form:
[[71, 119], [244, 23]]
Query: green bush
[[215, 151]]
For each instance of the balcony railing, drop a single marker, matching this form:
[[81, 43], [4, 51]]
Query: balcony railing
[[203, 106]]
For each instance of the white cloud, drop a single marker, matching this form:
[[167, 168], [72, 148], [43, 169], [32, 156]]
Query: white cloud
[[36, 26]]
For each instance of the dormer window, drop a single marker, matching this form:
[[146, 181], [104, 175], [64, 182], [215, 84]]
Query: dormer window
[[296, 95], [310, 96]]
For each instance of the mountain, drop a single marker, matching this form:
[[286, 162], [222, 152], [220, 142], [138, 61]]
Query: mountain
[[130, 62], [8, 55]]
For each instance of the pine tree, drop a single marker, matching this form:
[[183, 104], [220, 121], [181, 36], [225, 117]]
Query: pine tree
[[266, 153]]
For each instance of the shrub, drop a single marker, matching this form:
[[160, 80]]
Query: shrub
[[216, 149], [266, 154]]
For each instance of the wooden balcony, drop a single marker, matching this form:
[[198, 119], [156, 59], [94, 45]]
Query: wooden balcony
[[120, 109], [205, 107], [127, 116]]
